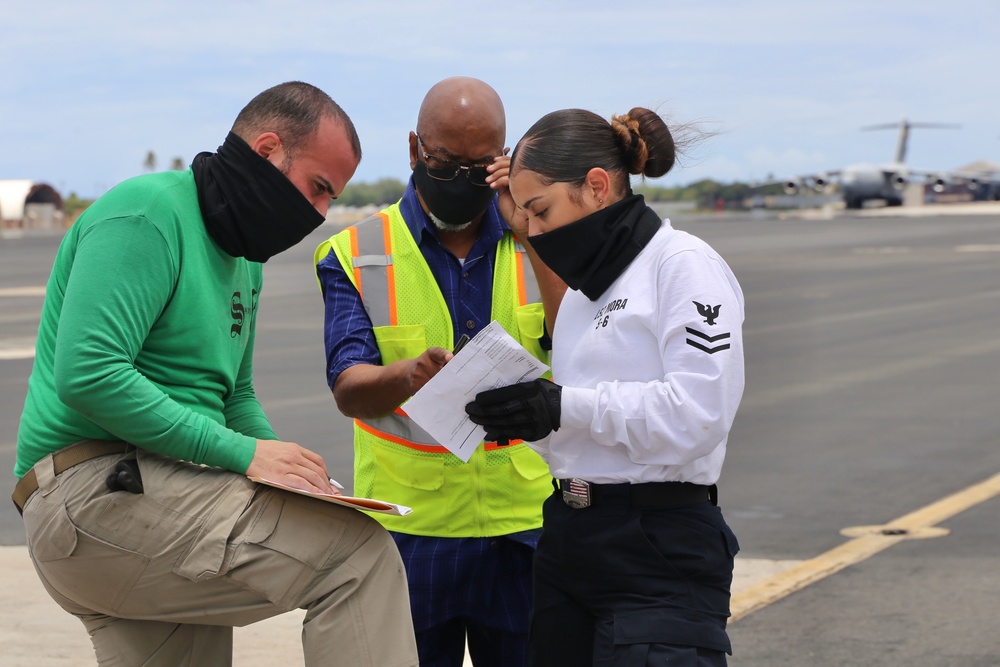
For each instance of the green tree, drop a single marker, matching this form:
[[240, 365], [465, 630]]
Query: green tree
[[73, 206], [706, 193], [382, 192]]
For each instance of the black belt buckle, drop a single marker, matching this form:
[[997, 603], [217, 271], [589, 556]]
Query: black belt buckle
[[576, 493]]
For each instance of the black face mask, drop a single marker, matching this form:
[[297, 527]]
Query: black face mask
[[250, 208], [455, 202], [592, 252]]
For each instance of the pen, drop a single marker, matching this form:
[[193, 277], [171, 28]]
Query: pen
[[336, 484], [461, 343]]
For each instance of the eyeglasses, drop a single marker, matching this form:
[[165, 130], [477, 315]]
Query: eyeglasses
[[446, 170]]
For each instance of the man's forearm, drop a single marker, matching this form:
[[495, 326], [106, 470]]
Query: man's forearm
[[369, 391]]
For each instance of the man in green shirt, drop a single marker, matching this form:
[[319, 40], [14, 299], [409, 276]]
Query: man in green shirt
[[144, 360]]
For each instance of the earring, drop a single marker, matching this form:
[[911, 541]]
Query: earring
[[600, 201]]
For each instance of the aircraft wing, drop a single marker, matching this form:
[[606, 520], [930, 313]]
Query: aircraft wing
[[972, 178], [819, 183]]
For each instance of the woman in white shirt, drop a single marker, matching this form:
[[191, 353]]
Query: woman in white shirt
[[635, 563]]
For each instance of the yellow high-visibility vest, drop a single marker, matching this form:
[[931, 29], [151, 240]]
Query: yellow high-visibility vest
[[501, 489]]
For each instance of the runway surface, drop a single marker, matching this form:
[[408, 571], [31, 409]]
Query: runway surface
[[862, 470]]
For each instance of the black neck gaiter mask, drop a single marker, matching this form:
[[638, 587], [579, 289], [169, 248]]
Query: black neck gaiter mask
[[250, 208], [592, 252], [456, 202]]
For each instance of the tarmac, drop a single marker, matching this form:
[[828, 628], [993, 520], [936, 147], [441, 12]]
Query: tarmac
[[803, 474], [36, 632]]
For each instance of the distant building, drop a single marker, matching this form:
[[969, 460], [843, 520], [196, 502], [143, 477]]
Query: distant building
[[30, 205]]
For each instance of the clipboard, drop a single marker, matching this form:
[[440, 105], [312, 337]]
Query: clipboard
[[365, 504]]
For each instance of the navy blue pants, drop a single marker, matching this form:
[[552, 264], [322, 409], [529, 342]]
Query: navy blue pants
[[620, 586], [475, 590]]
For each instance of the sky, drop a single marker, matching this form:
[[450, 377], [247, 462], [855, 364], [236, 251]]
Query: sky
[[773, 88]]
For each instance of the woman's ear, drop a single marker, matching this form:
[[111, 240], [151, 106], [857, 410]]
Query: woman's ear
[[597, 185]]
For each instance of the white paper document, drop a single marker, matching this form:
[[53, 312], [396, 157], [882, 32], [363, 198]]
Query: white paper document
[[492, 359]]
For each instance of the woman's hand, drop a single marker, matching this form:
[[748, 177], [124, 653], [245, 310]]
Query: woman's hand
[[499, 180]]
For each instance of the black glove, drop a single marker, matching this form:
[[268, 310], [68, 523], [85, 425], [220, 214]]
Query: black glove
[[525, 411], [126, 477]]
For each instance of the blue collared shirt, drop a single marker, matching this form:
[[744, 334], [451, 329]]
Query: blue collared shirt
[[467, 288]]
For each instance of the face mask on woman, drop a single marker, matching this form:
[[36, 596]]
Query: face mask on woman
[[592, 252]]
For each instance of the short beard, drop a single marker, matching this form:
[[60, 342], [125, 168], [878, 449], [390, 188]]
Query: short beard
[[446, 226], [285, 167]]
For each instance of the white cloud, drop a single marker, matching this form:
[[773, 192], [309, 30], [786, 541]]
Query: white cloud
[[90, 87]]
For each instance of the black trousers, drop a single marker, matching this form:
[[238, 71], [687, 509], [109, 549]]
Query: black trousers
[[623, 586]]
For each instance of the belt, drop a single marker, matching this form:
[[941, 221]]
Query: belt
[[578, 493], [63, 460]]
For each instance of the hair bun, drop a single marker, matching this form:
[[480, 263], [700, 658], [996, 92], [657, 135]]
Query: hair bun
[[626, 129]]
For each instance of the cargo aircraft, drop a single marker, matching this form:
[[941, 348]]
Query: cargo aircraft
[[859, 183]]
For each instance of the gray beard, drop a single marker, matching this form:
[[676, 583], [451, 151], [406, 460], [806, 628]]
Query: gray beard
[[445, 227]]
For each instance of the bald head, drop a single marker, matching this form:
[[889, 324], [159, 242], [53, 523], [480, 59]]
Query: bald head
[[461, 126], [461, 104]]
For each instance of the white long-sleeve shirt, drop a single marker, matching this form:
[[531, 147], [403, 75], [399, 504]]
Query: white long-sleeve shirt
[[652, 371]]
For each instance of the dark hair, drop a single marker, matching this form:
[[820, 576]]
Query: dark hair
[[564, 145], [292, 110]]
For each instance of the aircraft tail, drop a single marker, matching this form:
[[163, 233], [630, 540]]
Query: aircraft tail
[[904, 133]]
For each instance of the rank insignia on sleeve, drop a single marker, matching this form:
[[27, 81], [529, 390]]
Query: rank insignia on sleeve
[[708, 346], [710, 313]]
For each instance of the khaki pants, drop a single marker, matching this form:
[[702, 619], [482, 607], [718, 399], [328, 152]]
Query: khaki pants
[[160, 578]]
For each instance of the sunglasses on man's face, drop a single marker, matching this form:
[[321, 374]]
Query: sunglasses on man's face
[[446, 170]]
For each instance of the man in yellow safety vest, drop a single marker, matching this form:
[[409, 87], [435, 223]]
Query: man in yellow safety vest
[[399, 289]]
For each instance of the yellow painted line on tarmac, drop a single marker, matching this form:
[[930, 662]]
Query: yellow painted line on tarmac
[[872, 540]]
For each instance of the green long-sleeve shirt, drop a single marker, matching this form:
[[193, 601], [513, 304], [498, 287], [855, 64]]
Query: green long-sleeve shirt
[[146, 334]]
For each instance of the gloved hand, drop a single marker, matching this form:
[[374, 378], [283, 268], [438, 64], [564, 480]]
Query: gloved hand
[[526, 411]]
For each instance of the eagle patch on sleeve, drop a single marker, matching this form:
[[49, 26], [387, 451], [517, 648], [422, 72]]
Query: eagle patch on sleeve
[[711, 314]]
